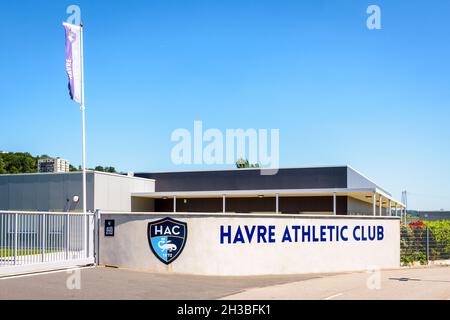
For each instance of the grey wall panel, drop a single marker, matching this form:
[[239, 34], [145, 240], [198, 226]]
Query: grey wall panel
[[292, 205], [142, 204], [300, 178], [358, 207], [72, 185], [287, 205], [55, 192], [29, 193], [44, 192], [16, 190], [4, 194], [57, 196], [74, 188]]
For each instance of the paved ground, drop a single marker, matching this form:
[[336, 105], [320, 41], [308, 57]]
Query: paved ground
[[404, 284], [107, 283]]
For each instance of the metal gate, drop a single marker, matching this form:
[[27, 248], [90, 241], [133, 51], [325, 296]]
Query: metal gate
[[40, 241]]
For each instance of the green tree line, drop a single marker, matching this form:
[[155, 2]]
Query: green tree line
[[245, 164], [24, 162], [19, 162]]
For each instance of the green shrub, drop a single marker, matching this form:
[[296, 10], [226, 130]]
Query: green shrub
[[440, 232], [413, 242]]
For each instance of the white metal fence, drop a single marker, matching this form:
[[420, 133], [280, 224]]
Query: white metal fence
[[36, 241]]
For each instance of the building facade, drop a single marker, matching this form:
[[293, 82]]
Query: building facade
[[429, 215], [339, 190], [305, 191], [57, 192], [53, 165]]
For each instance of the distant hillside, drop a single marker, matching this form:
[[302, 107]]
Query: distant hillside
[[23, 162], [18, 163]]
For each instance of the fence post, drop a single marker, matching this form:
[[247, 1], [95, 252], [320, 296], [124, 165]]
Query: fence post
[[428, 245], [97, 236], [85, 240], [43, 236], [67, 236], [15, 237]]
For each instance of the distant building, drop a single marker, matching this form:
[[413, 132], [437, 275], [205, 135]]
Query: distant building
[[430, 215], [54, 165]]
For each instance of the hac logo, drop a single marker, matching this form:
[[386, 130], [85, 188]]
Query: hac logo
[[167, 238]]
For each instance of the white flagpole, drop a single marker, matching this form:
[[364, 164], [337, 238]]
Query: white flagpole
[[83, 145]]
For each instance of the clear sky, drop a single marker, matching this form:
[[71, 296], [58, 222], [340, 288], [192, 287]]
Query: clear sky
[[339, 93]]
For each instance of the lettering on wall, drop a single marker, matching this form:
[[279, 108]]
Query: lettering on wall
[[250, 234]]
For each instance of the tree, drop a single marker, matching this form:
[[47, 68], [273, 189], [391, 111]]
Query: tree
[[110, 170], [23, 162], [105, 169], [244, 163], [2, 166], [19, 163]]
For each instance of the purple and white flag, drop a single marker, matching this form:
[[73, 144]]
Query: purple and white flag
[[74, 61]]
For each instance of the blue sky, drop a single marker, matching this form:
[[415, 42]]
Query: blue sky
[[339, 93]]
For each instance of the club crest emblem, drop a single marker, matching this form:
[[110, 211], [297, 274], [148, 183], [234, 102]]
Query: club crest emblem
[[167, 238]]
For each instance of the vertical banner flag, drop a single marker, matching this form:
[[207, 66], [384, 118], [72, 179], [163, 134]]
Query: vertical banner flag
[[73, 60]]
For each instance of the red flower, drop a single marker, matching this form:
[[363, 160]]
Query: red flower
[[417, 224]]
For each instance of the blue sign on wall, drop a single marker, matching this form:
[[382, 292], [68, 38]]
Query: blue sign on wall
[[167, 238]]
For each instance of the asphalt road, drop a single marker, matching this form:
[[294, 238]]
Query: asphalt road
[[108, 283], [403, 284]]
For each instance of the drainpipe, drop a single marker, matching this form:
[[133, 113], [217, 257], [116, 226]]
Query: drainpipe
[[277, 203], [374, 198], [224, 204], [334, 204], [381, 205], [174, 204]]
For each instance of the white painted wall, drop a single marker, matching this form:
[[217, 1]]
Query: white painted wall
[[204, 255], [113, 192], [356, 180]]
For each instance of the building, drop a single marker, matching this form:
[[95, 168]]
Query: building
[[339, 190], [62, 192], [430, 215], [54, 165]]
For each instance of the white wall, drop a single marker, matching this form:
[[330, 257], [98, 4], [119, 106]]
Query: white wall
[[355, 181], [205, 255], [113, 192]]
